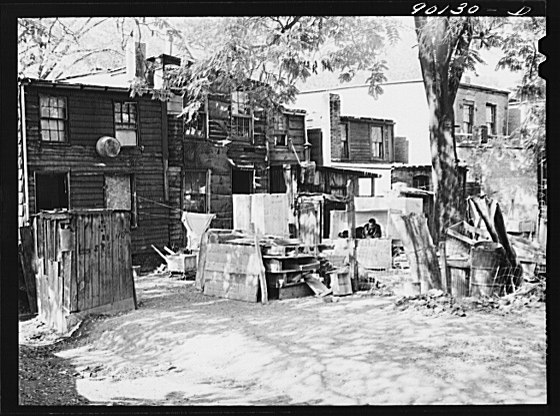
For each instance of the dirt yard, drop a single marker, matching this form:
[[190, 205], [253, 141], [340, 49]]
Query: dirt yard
[[183, 348]]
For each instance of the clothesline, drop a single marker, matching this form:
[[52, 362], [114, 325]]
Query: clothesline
[[159, 203]]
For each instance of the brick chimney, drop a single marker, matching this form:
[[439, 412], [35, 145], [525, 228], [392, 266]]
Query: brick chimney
[[334, 113], [135, 59]]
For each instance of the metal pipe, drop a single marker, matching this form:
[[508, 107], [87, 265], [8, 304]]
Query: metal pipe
[[24, 145]]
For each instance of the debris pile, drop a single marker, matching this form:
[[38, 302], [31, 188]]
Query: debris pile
[[432, 303]]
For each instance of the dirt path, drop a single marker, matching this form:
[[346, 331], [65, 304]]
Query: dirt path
[[183, 348]]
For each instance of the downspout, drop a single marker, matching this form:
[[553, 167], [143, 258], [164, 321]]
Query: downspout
[[24, 152]]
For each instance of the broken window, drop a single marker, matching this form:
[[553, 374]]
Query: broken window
[[120, 194], [54, 115], [196, 126], [491, 118], [468, 117], [376, 136], [51, 191], [241, 116], [197, 192], [421, 182], [344, 152], [126, 123], [280, 133]]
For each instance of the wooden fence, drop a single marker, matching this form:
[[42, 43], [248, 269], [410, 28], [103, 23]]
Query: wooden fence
[[83, 264]]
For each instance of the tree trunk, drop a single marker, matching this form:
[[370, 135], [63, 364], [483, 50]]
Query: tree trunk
[[435, 51]]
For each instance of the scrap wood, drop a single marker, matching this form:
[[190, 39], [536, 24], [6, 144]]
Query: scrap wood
[[160, 253], [317, 286], [169, 251]]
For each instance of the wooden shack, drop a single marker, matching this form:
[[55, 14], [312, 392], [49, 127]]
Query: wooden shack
[[61, 167], [83, 264]]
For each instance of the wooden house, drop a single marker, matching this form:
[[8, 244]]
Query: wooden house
[[65, 162]]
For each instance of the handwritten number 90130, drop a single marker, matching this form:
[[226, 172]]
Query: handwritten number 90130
[[460, 9]]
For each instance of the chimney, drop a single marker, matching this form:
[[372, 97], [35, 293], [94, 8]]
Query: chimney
[[136, 59], [169, 43]]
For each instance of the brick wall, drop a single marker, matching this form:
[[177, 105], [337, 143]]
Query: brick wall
[[334, 107], [481, 98]]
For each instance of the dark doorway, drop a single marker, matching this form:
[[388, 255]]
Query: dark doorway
[[315, 137], [51, 191], [242, 181], [277, 181]]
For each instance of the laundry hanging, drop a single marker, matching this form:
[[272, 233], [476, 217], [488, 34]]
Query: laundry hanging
[[196, 225]]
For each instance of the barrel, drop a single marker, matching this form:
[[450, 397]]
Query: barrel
[[487, 261], [108, 146], [459, 276]]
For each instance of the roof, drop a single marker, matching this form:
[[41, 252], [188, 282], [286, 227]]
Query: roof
[[409, 81], [106, 78], [350, 170], [72, 85], [366, 119]]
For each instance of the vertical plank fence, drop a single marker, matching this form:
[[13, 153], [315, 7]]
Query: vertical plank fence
[[84, 264]]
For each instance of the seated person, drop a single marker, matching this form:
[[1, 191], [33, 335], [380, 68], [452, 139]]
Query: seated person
[[373, 229]]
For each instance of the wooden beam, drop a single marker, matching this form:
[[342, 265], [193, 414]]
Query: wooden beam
[[351, 191]]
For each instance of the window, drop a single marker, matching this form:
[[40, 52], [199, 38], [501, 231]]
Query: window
[[196, 126], [280, 134], [421, 182], [51, 191], [344, 152], [242, 181], [277, 181], [196, 191], [376, 136], [491, 118], [365, 187], [126, 123], [241, 116], [468, 115], [54, 115], [120, 194]]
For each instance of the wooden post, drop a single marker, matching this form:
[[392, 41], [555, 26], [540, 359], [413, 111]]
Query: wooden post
[[351, 190], [27, 258], [443, 267]]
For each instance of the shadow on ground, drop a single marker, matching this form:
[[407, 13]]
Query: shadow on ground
[[183, 348]]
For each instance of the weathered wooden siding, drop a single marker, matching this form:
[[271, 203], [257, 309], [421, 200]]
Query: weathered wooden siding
[[285, 154], [90, 116], [359, 141]]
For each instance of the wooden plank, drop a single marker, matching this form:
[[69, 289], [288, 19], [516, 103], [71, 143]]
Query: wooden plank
[[80, 253], [199, 280], [96, 260], [66, 277], [74, 277], [419, 248], [262, 277], [127, 259], [27, 259], [351, 192], [114, 256]]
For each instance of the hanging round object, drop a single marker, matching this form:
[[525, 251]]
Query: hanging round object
[[108, 146]]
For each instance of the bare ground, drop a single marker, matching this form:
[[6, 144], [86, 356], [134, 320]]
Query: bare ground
[[183, 348]]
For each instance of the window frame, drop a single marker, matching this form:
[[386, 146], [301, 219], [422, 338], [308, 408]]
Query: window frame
[[63, 120], [237, 116], [492, 123], [66, 174], [344, 144], [201, 119], [206, 196], [470, 122], [280, 127], [117, 125], [381, 142]]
